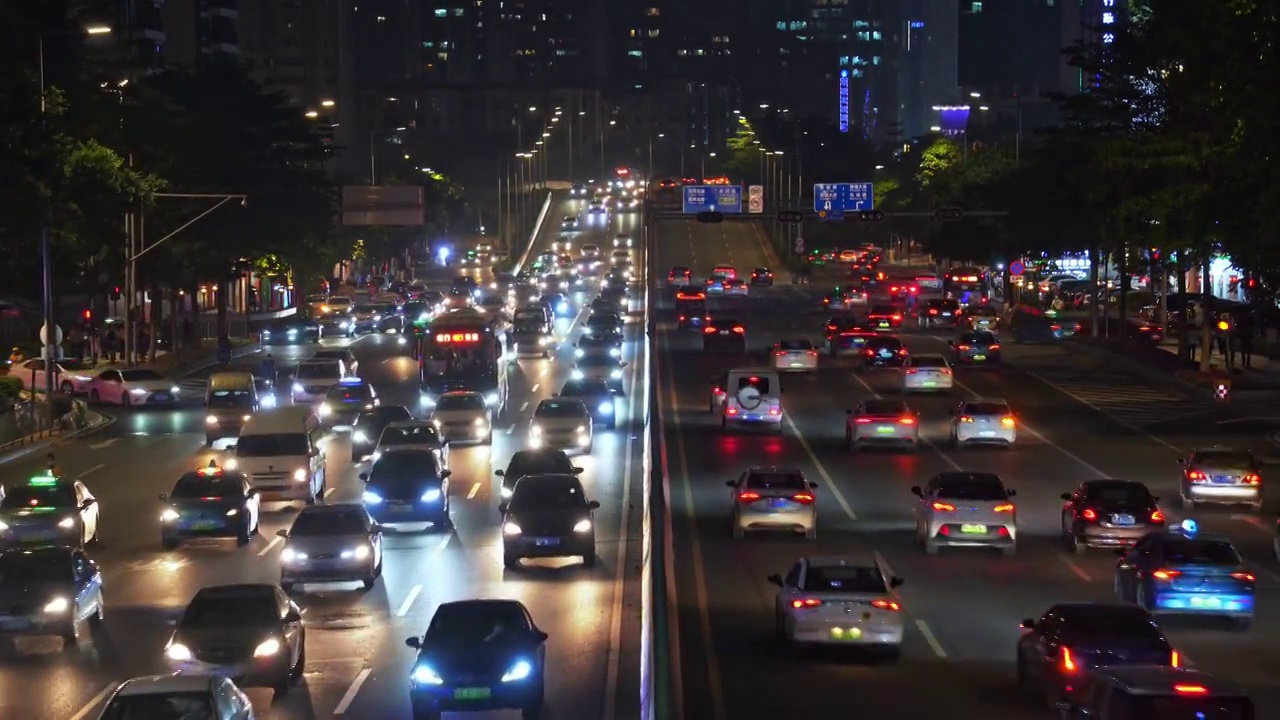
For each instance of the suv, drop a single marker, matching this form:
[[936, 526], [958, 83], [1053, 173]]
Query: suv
[[748, 396]]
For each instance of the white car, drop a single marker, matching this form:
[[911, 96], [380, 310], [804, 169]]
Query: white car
[[882, 423], [749, 396], [599, 367], [68, 377], [208, 697], [736, 286], [856, 298], [848, 600], [794, 356], [983, 421], [966, 509], [313, 378], [772, 498], [337, 305], [622, 240], [927, 373], [132, 387], [591, 251], [463, 417], [561, 424]]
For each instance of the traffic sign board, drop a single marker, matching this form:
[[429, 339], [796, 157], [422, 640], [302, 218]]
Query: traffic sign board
[[1016, 268], [831, 215], [843, 197], [755, 199], [712, 198]]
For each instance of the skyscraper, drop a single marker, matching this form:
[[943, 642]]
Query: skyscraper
[[201, 30]]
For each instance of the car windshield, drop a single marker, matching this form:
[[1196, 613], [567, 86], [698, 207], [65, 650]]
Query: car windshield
[[230, 398], [217, 611], [469, 401], [1200, 552], [844, 579], [416, 434], [161, 706], [1186, 707], [1119, 493], [348, 394], [1120, 623], [202, 485], [975, 487], [61, 495], [547, 492], [534, 462], [21, 568], [272, 445], [331, 522], [379, 417], [585, 388], [474, 623], [140, 375], [884, 407], [978, 338], [1225, 460], [776, 481], [555, 409], [883, 310], [795, 345], [986, 408], [325, 370], [598, 361], [928, 361]]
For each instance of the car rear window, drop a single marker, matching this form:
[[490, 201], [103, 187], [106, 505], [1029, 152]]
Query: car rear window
[[1128, 623], [1205, 552], [883, 310], [843, 579], [759, 383], [1234, 460], [795, 345], [978, 338], [927, 361], [776, 481], [884, 407], [986, 408], [1120, 492], [977, 489]]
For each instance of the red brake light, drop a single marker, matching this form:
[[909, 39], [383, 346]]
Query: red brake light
[[994, 347], [964, 347], [708, 330], [739, 329], [906, 421], [902, 351], [897, 316], [1089, 514], [1191, 689], [803, 498], [885, 605], [943, 507], [1166, 574], [862, 420], [1196, 475], [1157, 516], [1007, 507], [748, 496], [1243, 576], [806, 603], [682, 318], [1252, 479], [965, 419], [717, 390], [1068, 662], [933, 311], [912, 371]]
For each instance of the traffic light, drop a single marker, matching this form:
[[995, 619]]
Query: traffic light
[[790, 216], [871, 216], [710, 216], [87, 315], [115, 293], [948, 214]]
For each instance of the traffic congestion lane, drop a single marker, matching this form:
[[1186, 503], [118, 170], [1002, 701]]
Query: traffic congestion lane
[[702, 246]]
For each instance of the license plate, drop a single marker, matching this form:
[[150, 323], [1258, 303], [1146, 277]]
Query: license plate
[[930, 383], [779, 503], [946, 314], [796, 364], [204, 525], [546, 542], [1223, 479], [724, 332], [1123, 519], [1213, 603], [472, 693], [979, 357], [987, 433], [399, 508], [162, 396], [885, 430], [974, 529]]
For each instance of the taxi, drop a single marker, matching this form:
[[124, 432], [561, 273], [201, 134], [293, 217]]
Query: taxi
[[344, 402], [210, 502], [49, 510], [1181, 571]]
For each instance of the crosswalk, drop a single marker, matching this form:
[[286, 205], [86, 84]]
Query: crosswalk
[[1118, 394]]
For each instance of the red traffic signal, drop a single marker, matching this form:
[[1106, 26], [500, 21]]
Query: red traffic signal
[[87, 314]]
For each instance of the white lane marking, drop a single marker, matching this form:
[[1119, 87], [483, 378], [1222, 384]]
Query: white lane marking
[[936, 450], [83, 712], [822, 470], [93, 469], [350, 696], [535, 387], [271, 545], [524, 406], [932, 639], [329, 491], [104, 444], [408, 601], [1075, 568], [511, 429], [471, 494], [444, 543]]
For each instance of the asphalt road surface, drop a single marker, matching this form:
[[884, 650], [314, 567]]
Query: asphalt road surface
[[1079, 420], [357, 663]]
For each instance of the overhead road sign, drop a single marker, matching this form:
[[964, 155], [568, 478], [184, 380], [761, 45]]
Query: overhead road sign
[[712, 198], [843, 197], [755, 199]]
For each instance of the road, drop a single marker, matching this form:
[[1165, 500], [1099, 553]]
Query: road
[[1080, 421], [357, 663]]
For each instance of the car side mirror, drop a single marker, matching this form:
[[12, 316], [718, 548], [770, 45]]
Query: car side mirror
[[731, 483], [364, 476], [500, 473], [577, 470], [293, 616], [896, 582], [503, 507], [917, 491], [164, 497], [414, 642], [1065, 496], [282, 534], [540, 636], [445, 473], [1028, 624], [1011, 492], [775, 579]]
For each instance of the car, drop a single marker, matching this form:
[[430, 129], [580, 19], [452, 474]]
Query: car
[[724, 334], [332, 544], [210, 502], [902, 288], [50, 591], [679, 276], [562, 424], [561, 307], [762, 276], [344, 402], [478, 655], [570, 223], [1056, 653], [69, 376], [1146, 691], [849, 601], [548, 516], [856, 298], [208, 697], [975, 347], [884, 317], [597, 208], [736, 287], [251, 632], [578, 190], [715, 283], [603, 322], [1029, 324], [940, 312], [462, 416], [882, 423], [983, 421], [982, 317], [725, 271], [773, 498], [927, 373], [599, 397], [794, 355], [835, 300], [562, 245], [622, 240], [413, 433], [965, 509], [1108, 513], [1181, 571], [408, 484], [600, 367], [614, 285], [298, 330], [369, 425], [534, 462], [847, 335], [883, 351], [133, 387], [346, 355], [313, 378], [493, 304], [459, 298], [603, 303], [49, 510], [369, 317], [1221, 476], [609, 344], [590, 250], [748, 396]]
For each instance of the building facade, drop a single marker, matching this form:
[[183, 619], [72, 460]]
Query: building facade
[[198, 31]]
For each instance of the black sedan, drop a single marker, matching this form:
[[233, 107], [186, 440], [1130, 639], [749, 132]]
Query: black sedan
[[478, 655], [724, 334], [210, 502], [979, 347], [548, 516], [598, 396], [884, 351], [762, 276], [292, 331], [369, 425], [535, 462]]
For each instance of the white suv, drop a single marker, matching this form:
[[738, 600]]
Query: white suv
[[748, 396], [313, 378]]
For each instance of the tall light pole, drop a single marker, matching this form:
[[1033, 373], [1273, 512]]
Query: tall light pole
[[50, 340]]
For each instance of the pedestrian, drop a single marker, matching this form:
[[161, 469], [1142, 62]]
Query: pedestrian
[[109, 344], [1223, 339], [1244, 337], [1193, 341]]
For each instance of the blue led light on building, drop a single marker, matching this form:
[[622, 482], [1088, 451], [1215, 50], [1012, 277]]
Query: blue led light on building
[[917, 24], [844, 101]]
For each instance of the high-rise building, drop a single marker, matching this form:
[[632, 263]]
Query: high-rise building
[[201, 31], [138, 28], [926, 63]]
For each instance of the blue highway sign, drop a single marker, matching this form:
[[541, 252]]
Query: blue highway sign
[[843, 197], [712, 198]]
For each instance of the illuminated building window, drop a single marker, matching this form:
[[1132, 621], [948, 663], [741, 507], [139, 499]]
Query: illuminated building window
[[652, 12], [864, 35], [636, 53], [441, 12], [975, 7], [1108, 37], [457, 12], [876, 35], [856, 72], [653, 33]]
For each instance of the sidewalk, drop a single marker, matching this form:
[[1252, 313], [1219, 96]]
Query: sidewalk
[[1263, 375], [183, 362]]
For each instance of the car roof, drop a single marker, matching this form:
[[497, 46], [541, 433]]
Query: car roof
[[856, 558], [237, 590], [162, 684], [1095, 609], [331, 508]]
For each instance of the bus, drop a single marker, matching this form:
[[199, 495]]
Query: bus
[[966, 284], [464, 350]]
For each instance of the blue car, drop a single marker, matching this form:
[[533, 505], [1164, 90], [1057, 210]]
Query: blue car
[[407, 484], [1182, 571]]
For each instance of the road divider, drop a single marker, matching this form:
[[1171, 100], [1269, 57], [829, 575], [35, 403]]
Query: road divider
[[532, 241]]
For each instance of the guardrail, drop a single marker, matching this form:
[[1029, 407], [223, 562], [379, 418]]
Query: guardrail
[[533, 236]]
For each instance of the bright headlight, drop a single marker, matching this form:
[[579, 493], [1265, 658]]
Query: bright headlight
[[297, 387], [542, 342], [267, 648], [178, 652], [582, 526], [582, 429], [300, 475], [359, 437], [138, 391], [371, 498], [511, 529], [268, 401], [325, 409], [57, 605], [616, 374], [535, 430], [615, 352], [478, 422], [578, 353], [67, 523], [233, 512], [290, 555], [491, 399], [175, 390], [576, 374], [519, 671], [606, 407], [231, 464], [430, 496], [169, 515], [505, 492], [423, 675], [360, 552]]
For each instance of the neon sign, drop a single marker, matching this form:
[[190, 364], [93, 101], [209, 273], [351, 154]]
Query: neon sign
[[844, 101], [458, 337]]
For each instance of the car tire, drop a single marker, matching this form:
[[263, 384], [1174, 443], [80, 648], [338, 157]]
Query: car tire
[[245, 536], [1187, 502], [738, 531], [125, 401], [1009, 550], [369, 582], [930, 547], [811, 533], [71, 637]]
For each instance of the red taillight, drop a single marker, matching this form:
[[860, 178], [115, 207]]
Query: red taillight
[[1157, 516], [902, 351], [1007, 507], [1191, 689], [708, 330], [896, 316], [1068, 661], [739, 329], [1196, 476], [862, 420], [732, 411], [780, 353], [1166, 574], [965, 419], [748, 496], [912, 371], [886, 605], [964, 347], [682, 318], [1055, 328], [1252, 479], [803, 498], [717, 390], [994, 347], [907, 421], [1089, 514], [870, 352], [1243, 576], [933, 312], [943, 507], [806, 603], [775, 411]]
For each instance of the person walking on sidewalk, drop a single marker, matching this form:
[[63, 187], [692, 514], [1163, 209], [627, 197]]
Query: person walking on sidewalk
[[224, 350], [1244, 340]]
